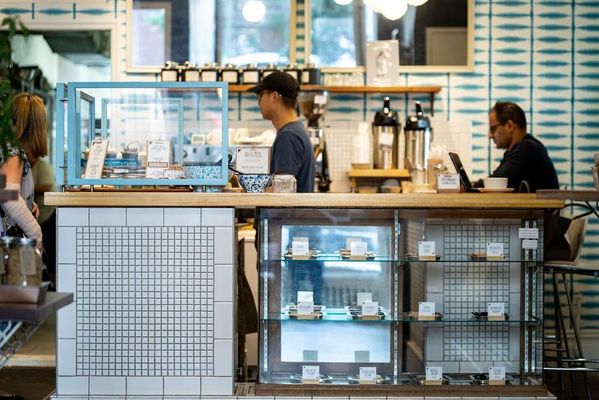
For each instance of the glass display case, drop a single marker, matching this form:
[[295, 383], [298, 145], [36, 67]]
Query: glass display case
[[124, 134], [356, 296]]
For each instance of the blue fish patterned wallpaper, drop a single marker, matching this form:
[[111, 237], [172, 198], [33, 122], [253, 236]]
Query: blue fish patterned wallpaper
[[542, 54]]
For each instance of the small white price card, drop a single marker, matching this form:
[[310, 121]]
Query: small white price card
[[305, 296], [364, 297], [320, 99], [357, 248], [310, 372], [253, 160], [496, 374], [159, 154], [494, 250], [530, 244], [496, 310], [305, 308], [448, 182], [434, 373], [370, 308], [426, 249], [368, 374], [300, 246], [95, 159], [528, 233], [426, 309]]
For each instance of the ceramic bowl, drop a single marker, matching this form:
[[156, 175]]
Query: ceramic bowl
[[254, 183]]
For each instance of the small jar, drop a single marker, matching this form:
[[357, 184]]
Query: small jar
[[170, 72], [24, 263], [269, 69], [293, 70], [190, 72], [284, 184], [251, 74], [210, 72], [230, 73], [310, 75]]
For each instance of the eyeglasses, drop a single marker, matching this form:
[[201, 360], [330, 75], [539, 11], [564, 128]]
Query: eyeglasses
[[494, 127]]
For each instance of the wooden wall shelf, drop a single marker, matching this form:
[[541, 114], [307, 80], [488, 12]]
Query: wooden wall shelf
[[428, 90]]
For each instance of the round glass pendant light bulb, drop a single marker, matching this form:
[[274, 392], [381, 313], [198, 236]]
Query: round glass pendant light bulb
[[395, 10], [343, 2], [416, 3], [253, 11]]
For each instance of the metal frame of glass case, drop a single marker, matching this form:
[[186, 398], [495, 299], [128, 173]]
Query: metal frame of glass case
[[464, 343], [78, 102]]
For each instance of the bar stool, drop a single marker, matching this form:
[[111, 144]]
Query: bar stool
[[562, 272]]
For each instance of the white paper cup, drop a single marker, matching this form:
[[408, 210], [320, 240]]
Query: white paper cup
[[495, 183]]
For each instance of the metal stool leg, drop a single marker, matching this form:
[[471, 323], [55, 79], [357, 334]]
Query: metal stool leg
[[576, 334], [558, 331]]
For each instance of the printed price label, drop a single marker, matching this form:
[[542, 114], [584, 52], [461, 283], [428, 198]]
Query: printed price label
[[530, 244], [426, 308], [528, 233], [494, 249], [495, 309], [357, 248], [300, 247], [364, 297], [386, 140], [426, 249], [434, 373], [305, 308], [305, 296], [310, 372], [95, 159], [368, 373], [497, 373], [448, 181], [370, 308], [253, 160]]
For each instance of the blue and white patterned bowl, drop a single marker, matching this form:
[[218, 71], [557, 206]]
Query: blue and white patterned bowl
[[254, 183]]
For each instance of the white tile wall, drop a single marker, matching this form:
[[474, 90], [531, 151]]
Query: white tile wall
[[145, 217], [65, 357], [140, 385], [107, 216], [223, 241], [223, 280], [72, 216], [217, 217], [67, 281], [182, 385], [182, 217], [223, 357], [107, 385], [67, 245], [72, 385], [66, 322], [214, 386], [223, 320]]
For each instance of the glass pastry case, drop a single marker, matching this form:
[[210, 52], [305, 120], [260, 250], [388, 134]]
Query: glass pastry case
[[127, 134], [399, 299]]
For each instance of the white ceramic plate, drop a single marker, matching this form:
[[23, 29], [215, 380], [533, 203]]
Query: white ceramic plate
[[502, 190]]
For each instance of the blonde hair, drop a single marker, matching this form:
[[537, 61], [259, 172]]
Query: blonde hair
[[28, 116]]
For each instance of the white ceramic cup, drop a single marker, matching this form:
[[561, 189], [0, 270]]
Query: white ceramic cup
[[495, 183]]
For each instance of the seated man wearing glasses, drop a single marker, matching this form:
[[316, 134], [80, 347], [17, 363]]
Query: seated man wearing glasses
[[526, 158]]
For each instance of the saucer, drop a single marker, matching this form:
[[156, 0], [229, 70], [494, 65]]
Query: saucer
[[502, 190]]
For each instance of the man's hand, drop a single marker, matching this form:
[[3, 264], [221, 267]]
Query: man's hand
[[35, 210]]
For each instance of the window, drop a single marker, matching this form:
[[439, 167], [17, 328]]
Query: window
[[205, 31]]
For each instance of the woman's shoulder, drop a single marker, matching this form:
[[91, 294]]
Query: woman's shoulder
[[14, 151]]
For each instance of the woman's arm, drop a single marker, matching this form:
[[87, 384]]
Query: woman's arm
[[17, 209]]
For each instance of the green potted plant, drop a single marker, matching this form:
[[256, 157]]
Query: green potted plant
[[9, 78]]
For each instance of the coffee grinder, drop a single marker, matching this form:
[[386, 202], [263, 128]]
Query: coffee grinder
[[312, 105]]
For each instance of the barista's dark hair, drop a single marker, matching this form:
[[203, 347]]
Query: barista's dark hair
[[506, 111], [289, 102]]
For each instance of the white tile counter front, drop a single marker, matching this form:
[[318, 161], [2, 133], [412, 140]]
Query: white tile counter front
[[154, 302]]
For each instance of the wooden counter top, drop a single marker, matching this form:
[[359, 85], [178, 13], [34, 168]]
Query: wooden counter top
[[295, 200]]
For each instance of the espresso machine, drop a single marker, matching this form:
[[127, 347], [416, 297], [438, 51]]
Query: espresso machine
[[386, 144], [313, 105], [419, 135]]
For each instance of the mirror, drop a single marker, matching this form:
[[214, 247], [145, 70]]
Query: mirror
[[435, 36], [239, 32]]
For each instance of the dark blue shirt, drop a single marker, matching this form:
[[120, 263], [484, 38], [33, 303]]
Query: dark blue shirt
[[292, 154], [528, 161]]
